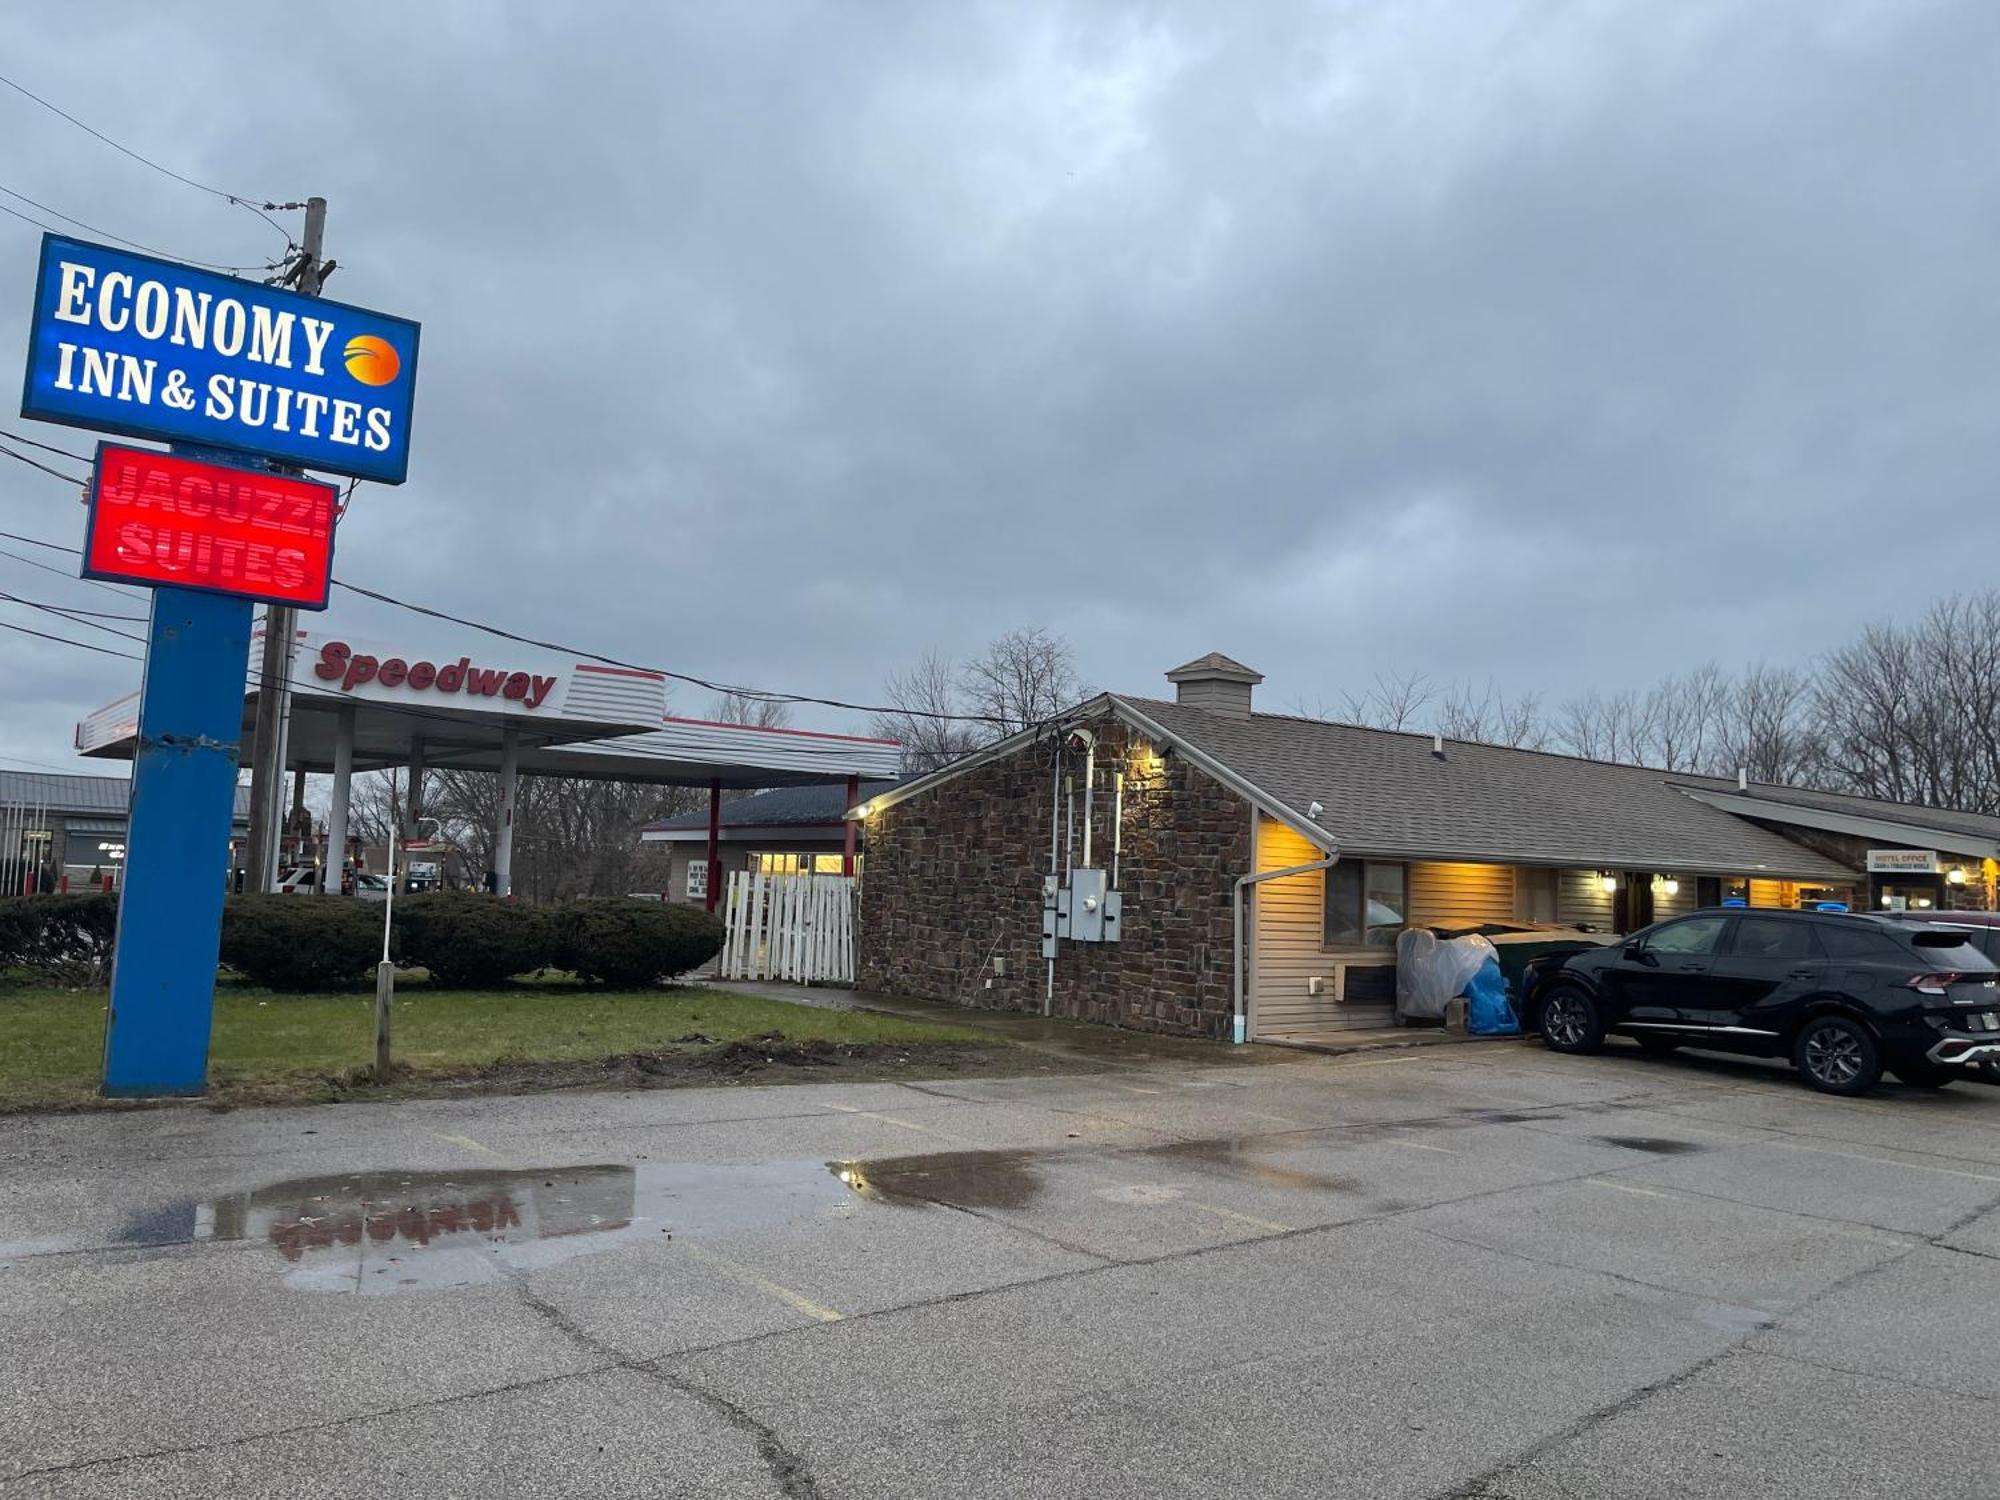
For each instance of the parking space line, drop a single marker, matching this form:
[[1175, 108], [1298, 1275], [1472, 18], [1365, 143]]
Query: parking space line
[[1885, 1161], [466, 1141], [1421, 1146], [794, 1300], [1234, 1217], [1621, 1187], [869, 1114]]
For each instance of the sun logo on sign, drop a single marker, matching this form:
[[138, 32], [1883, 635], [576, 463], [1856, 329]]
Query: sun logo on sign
[[372, 360]]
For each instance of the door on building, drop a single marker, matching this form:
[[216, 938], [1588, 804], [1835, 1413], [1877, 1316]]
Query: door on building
[[1905, 892], [1634, 901]]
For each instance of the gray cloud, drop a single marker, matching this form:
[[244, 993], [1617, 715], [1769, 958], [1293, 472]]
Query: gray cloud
[[1557, 344]]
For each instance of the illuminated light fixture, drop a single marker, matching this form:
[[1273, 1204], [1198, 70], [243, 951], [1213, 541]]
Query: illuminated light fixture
[[1956, 875], [1609, 882], [1888, 900], [1923, 903], [1671, 886], [866, 809]]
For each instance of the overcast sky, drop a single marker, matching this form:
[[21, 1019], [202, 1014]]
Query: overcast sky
[[1556, 344]]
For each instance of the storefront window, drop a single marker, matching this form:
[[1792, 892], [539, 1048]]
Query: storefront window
[[1365, 903]]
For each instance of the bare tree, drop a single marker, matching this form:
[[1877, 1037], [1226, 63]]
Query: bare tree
[[1616, 728], [925, 699], [1024, 677], [1392, 702], [1768, 728], [573, 836], [1683, 719], [1492, 718], [753, 711]]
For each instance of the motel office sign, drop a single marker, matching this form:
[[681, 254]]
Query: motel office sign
[[128, 344]]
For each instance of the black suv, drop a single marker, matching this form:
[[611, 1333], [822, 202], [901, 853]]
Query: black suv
[[1842, 995]]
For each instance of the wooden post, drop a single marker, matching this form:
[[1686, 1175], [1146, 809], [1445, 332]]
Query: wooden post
[[714, 842], [847, 850]]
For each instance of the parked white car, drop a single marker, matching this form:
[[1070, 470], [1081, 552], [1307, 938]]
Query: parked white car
[[302, 880]]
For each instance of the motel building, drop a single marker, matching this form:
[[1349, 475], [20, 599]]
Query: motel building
[[484, 705], [1189, 864]]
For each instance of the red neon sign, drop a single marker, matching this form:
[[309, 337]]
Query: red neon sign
[[160, 519]]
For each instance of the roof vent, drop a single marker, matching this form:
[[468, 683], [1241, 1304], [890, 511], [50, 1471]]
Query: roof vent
[[1437, 746], [1742, 778], [1216, 685]]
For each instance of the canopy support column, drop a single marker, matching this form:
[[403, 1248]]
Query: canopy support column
[[333, 878], [503, 836]]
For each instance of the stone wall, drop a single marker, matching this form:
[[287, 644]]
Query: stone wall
[[954, 880]]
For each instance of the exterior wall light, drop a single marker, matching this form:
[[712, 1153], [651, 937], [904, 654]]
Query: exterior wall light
[[866, 809], [1671, 886], [1609, 882], [1956, 875]]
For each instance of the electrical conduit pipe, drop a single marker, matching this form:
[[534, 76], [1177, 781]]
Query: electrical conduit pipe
[[1239, 1035]]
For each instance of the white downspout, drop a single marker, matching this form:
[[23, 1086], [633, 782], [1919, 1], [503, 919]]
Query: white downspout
[[1242, 1019]]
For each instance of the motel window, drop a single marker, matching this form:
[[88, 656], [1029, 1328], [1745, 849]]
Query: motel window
[[698, 878], [1535, 895], [796, 864], [1365, 903]]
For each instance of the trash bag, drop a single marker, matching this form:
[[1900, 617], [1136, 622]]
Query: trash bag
[[1488, 1012], [1429, 973]]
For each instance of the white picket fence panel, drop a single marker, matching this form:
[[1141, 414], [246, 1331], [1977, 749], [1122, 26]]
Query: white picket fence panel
[[794, 927]]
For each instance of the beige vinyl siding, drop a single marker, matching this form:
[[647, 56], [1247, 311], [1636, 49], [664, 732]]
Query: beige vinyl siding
[[1287, 920], [1460, 895], [1581, 901], [1773, 893], [1681, 902]]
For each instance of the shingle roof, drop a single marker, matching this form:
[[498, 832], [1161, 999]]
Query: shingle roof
[[85, 795], [1215, 664], [1940, 819], [787, 806], [1385, 792]]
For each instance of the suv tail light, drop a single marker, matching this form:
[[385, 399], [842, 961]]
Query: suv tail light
[[1935, 982]]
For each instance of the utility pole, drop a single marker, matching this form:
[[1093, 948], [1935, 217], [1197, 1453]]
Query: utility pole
[[274, 678]]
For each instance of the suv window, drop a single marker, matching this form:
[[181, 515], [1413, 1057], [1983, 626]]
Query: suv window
[[1842, 940], [1773, 937], [1695, 935]]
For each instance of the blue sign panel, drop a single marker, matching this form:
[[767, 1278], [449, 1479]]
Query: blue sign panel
[[126, 343]]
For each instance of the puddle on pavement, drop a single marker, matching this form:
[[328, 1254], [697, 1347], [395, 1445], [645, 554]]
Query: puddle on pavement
[[957, 1179], [387, 1232], [1244, 1160], [1656, 1144]]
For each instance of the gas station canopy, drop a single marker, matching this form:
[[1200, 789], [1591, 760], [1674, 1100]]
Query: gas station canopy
[[397, 704]]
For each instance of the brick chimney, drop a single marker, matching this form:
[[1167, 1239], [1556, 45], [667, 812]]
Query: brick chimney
[[1215, 685]]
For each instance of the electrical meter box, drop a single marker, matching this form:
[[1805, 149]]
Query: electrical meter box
[[1086, 905]]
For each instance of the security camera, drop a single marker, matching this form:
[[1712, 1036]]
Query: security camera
[[1313, 810]]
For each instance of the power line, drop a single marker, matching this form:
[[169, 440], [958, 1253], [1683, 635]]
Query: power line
[[249, 203], [15, 437], [63, 640], [34, 463], [80, 614], [134, 244], [119, 590], [761, 695]]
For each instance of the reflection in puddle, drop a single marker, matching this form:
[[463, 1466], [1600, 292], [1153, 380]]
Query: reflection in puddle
[[958, 1179], [376, 1233]]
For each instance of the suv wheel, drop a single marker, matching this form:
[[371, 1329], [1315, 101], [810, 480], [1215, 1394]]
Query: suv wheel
[[1570, 1022], [1837, 1056]]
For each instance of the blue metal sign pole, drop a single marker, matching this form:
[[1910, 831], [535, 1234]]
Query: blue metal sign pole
[[177, 849]]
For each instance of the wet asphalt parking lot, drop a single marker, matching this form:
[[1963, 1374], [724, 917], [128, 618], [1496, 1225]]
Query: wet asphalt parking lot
[[1459, 1271]]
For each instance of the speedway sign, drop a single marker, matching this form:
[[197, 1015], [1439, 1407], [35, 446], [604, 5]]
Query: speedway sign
[[128, 344]]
